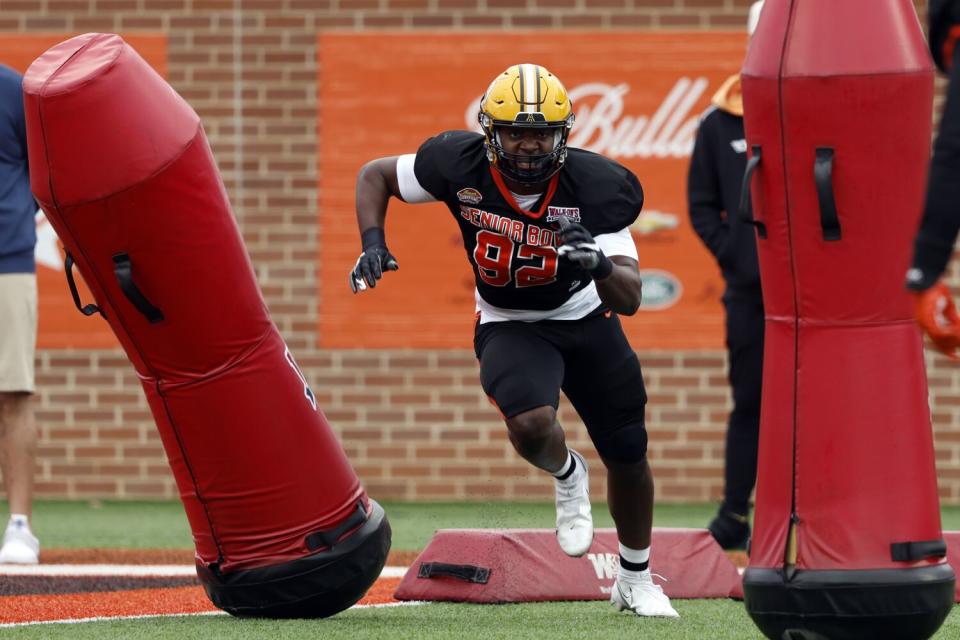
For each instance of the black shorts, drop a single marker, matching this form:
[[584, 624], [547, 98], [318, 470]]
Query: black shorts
[[524, 365]]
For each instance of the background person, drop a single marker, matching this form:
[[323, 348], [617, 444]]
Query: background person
[[713, 193], [18, 324]]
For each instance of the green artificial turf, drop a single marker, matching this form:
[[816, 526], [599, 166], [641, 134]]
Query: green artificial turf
[[163, 525], [700, 620]]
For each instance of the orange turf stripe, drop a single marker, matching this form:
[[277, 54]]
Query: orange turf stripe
[[381, 592], [110, 603], [139, 602]]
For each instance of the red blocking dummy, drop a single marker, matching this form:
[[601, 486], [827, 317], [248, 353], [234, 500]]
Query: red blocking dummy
[[122, 168], [847, 540]]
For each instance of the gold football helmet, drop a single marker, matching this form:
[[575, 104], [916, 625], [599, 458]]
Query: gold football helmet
[[526, 96]]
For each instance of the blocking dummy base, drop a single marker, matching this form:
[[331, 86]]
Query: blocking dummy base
[[850, 605], [316, 586]]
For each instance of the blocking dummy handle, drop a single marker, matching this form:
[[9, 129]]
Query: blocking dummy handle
[[330, 537], [87, 310], [746, 207], [823, 175], [465, 572], [123, 270], [914, 551]]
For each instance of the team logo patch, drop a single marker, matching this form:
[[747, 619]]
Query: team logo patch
[[469, 195], [570, 213]]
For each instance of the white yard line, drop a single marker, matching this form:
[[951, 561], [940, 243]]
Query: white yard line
[[135, 570], [77, 570], [175, 615]]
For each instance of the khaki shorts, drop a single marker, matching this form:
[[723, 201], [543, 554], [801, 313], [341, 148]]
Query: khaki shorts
[[18, 331]]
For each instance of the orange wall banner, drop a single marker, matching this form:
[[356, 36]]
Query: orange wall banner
[[60, 324], [637, 96]]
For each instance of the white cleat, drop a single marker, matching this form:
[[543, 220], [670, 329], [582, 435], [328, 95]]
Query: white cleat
[[644, 598], [574, 520], [20, 546]]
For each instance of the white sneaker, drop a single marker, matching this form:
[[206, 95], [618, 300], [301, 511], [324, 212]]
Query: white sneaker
[[20, 546], [574, 521], [644, 598]]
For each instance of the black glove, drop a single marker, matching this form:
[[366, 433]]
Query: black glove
[[373, 261], [578, 246]]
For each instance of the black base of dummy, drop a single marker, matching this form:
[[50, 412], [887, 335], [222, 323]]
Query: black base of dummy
[[877, 604], [314, 586]]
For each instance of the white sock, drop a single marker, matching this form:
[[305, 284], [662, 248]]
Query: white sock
[[636, 558], [566, 472], [19, 518]]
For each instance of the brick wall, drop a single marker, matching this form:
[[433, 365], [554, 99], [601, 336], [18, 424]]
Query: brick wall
[[414, 423]]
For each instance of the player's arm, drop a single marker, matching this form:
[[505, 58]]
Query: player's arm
[[621, 291], [617, 277], [377, 182]]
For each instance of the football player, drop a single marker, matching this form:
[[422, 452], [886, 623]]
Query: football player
[[546, 230]]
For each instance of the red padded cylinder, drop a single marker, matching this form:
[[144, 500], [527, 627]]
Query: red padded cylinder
[[838, 100], [122, 168]]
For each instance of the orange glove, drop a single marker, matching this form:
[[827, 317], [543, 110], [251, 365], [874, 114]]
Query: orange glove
[[937, 316]]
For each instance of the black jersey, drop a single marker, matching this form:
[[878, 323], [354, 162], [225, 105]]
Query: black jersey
[[513, 251]]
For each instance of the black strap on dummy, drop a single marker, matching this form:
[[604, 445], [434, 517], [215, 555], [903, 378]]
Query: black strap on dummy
[[87, 310], [746, 206], [823, 174], [913, 551], [465, 572], [329, 537], [124, 272]]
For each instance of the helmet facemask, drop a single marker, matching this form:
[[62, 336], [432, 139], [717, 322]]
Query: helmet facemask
[[522, 167]]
